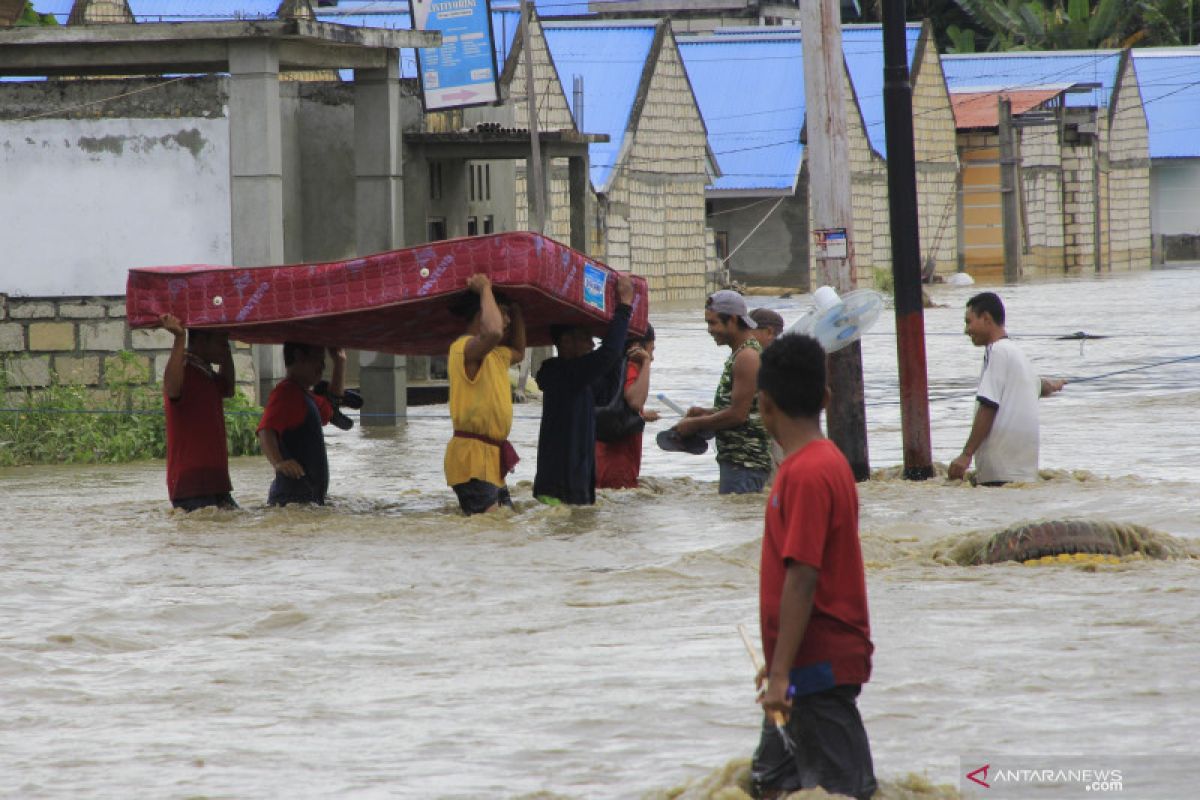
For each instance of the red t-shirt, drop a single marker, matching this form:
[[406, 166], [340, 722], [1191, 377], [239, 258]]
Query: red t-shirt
[[619, 463], [197, 455], [286, 408], [812, 518]]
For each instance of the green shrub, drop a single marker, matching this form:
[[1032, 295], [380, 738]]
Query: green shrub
[[65, 423]]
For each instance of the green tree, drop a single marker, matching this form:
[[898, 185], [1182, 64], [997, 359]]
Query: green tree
[[1073, 25], [30, 18]]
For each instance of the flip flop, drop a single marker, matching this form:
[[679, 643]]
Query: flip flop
[[670, 440]]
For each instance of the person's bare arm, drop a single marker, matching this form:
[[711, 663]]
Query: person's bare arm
[[1051, 385], [745, 384], [177, 361], [985, 415], [637, 392], [337, 379], [795, 608], [268, 441], [516, 334], [491, 325]]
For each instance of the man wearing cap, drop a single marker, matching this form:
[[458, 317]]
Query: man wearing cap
[[743, 451], [770, 326]]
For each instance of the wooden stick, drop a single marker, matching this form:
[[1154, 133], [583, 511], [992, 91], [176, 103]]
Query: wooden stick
[[776, 716]]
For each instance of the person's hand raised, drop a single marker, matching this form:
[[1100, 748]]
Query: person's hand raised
[[478, 282], [624, 288]]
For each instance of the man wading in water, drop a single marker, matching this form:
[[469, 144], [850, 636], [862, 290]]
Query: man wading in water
[[743, 450], [479, 456]]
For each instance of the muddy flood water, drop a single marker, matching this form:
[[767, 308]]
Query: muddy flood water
[[388, 647]]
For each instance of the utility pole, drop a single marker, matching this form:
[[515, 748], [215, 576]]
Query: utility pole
[[906, 246], [828, 157], [1009, 202], [536, 189]]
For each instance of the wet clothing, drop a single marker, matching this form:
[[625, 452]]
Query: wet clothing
[[619, 463], [197, 453], [832, 749], [297, 416], [480, 406], [1009, 385], [737, 479], [205, 501], [747, 445], [476, 496], [812, 518], [566, 464]]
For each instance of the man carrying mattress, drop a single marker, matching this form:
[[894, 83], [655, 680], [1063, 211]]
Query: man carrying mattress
[[479, 456]]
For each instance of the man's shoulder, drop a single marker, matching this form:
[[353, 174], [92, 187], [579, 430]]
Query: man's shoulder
[[817, 462]]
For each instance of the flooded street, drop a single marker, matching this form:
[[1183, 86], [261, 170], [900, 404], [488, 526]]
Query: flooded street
[[389, 647]]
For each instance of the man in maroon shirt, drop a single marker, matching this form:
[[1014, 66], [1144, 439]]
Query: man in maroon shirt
[[816, 631], [197, 454]]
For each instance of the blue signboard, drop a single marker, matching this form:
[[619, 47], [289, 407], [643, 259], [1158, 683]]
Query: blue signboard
[[462, 72]]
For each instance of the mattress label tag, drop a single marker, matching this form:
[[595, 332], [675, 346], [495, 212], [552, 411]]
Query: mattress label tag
[[594, 280]]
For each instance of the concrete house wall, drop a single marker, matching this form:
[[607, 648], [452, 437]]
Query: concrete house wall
[[937, 158]]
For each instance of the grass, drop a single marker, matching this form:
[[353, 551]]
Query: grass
[[72, 424]]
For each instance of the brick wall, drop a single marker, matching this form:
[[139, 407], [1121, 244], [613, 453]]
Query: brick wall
[[937, 160], [76, 341], [1127, 216]]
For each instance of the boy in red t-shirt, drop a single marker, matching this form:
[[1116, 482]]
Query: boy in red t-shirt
[[619, 463], [290, 431], [812, 593], [197, 454]]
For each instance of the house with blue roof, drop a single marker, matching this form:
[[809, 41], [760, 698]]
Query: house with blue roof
[[750, 84], [648, 179], [1081, 141], [1170, 90]]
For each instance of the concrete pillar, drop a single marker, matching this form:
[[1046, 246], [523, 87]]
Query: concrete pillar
[[256, 174], [577, 170], [379, 218]]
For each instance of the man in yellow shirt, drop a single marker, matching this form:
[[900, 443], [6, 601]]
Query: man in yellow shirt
[[479, 455]]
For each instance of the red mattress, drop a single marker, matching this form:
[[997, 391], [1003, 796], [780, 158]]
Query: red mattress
[[394, 302]]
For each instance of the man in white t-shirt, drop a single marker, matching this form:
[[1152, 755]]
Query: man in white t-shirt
[[1004, 435]]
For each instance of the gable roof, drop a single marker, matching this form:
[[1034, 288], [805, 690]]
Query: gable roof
[[612, 59], [1170, 90], [863, 48], [1030, 70], [753, 118]]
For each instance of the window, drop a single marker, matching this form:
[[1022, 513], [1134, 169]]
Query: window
[[472, 226], [481, 183], [722, 243], [436, 227], [489, 224], [435, 181]]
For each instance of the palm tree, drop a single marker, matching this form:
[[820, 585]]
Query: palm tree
[[1075, 25]]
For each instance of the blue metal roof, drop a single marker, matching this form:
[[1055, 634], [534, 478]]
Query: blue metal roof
[[201, 10], [863, 46], [611, 58], [1171, 96], [751, 94], [1029, 70]]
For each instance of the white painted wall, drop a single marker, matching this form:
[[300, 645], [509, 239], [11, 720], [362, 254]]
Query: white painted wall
[[83, 201], [1175, 196]]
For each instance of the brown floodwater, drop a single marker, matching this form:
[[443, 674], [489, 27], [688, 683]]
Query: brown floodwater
[[386, 646]]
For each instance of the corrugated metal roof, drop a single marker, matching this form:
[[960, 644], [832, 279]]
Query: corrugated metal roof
[[981, 109], [611, 57], [1170, 84], [201, 10], [751, 94], [1027, 70], [863, 46]]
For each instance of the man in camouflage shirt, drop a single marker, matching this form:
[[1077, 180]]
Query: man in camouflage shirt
[[743, 447]]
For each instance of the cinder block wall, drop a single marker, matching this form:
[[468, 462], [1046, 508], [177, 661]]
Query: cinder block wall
[[937, 163], [78, 340]]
